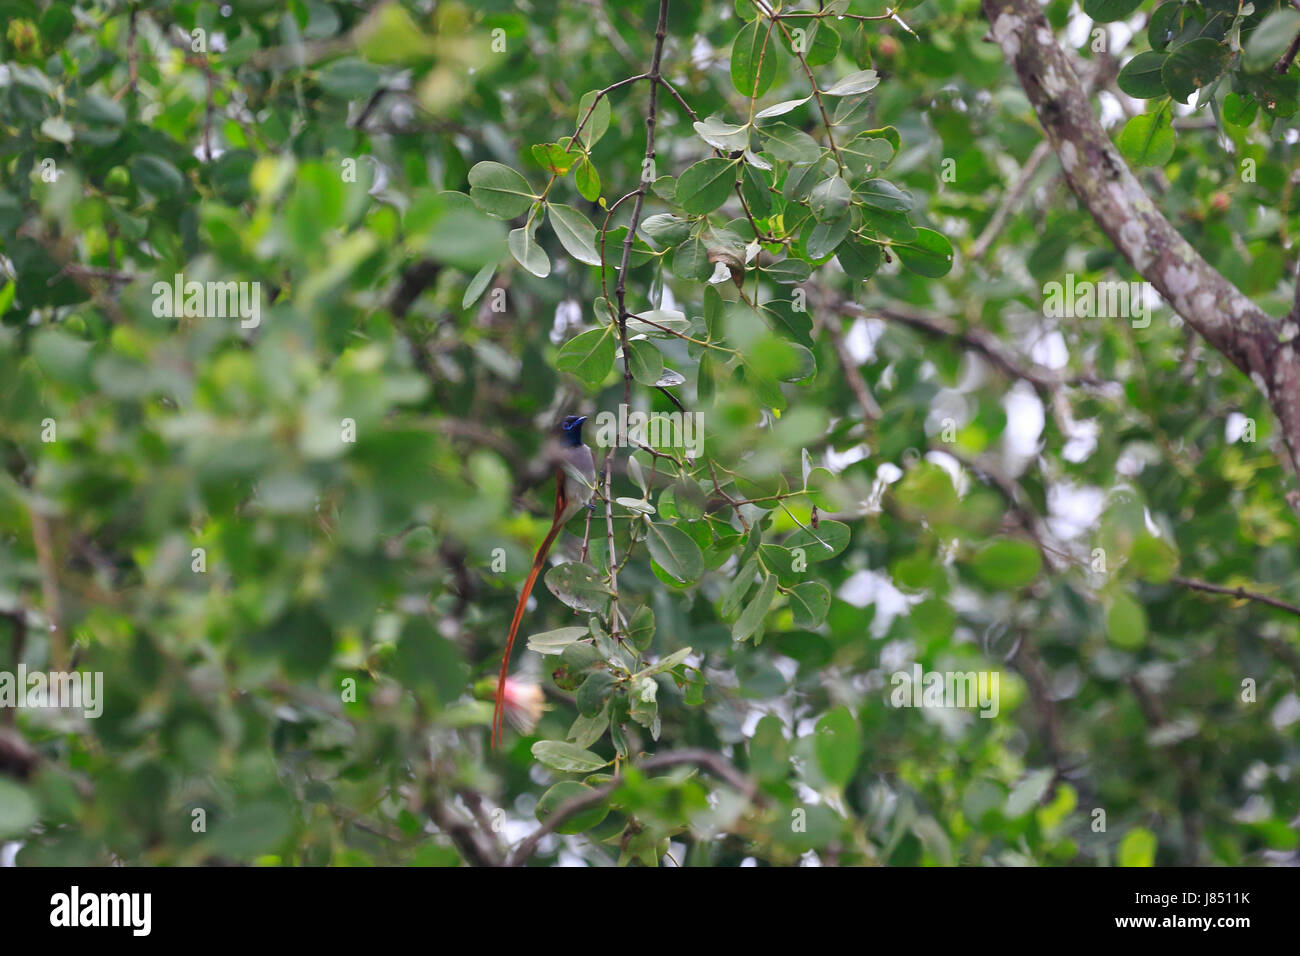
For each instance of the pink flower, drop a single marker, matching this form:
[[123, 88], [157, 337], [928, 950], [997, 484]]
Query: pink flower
[[524, 702]]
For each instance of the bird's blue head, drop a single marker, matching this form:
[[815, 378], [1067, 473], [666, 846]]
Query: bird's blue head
[[571, 430]]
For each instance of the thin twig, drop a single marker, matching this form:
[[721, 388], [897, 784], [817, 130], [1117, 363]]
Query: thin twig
[[610, 558], [1238, 592]]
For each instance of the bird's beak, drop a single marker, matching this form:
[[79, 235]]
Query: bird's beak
[[581, 420]]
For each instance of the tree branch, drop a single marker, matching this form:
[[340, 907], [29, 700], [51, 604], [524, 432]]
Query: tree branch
[[1210, 304], [1238, 592], [652, 115]]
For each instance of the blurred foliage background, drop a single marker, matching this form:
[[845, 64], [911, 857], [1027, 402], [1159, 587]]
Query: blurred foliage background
[[292, 546]]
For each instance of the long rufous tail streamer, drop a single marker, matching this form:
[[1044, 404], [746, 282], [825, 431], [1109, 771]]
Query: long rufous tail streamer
[[538, 562]]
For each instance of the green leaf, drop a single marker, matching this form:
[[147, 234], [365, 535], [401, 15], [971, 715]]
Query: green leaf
[[554, 642], [832, 537], [691, 261], [1138, 848], [641, 628], [597, 123], [588, 355], [1007, 563], [585, 731], [665, 663], [751, 618], [753, 59], [645, 361], [665, 229], [499, 190], [826, 237], [575, 232], [579, 586], [566, 757], [811, 601], [859, 259], [1271, 38], [662, 319], [675, 551], [1148, 139], [558, 158], [769, 750], [724, 136], [780, 109], [740, 584], [523, 246], [18, 811], [1140, 77], [860, 82], [562, 793], [1153, 559], [1239, 109], [837, 742], [477, 285], [390, 36], [587, 180], [1126, 622], [349, 78], [865, 154], [1105, 11], [791, 145], [1192, 66], [883, 194], [788, 270], [706, 185], [593, 693], [829, 199], [929, 254], [1164, 24], [156, 175], [1028, 793], [100, 110], [58, 129]]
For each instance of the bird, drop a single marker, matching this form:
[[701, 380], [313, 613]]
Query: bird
[[575, 483]]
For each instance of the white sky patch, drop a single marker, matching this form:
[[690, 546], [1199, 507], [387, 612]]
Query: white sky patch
[[837, 461], [1050, 350], [947, 403], [567, 313], [874, 587], [669, 301], [862, 338], [1112, 110], [1234, 427], [1081, 441], [1024, 420], [1073, 510], [1287, 712], [701, 52], [1130, 463]]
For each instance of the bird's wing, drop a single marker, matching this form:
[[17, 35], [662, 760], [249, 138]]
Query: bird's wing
[[578, 464]]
